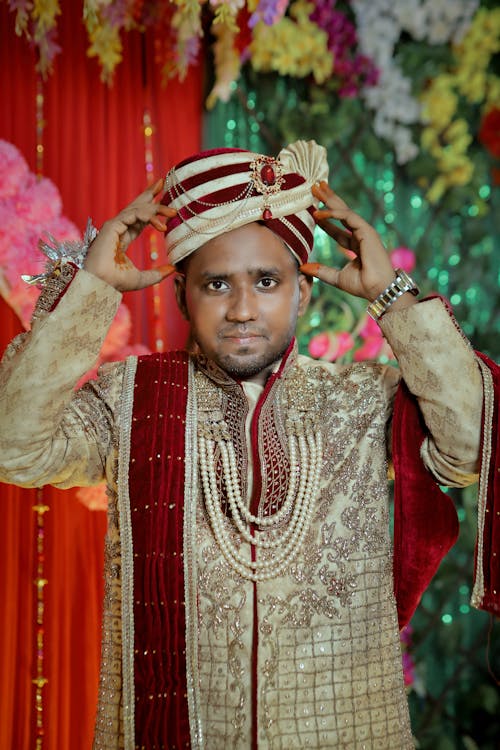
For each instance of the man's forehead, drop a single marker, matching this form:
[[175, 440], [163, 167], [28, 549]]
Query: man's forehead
[[249, 249]]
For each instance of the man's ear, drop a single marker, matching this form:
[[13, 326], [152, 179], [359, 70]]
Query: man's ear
[[180, 294], [305, 291]]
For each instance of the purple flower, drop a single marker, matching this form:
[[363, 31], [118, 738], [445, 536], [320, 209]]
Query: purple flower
[[268, 11], [116, 13], [351, 69]]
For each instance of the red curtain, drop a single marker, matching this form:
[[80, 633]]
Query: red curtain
[[94, 151]]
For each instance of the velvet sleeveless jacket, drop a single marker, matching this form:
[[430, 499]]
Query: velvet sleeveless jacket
[[156, 476]]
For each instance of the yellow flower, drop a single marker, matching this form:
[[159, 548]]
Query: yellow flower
[[107, 47], [430, 142], [448, 140], [293, 46], [439, 102], [474, 53], [227, 65], [44, 13], [437, 189], [493, 95], [458, 134]]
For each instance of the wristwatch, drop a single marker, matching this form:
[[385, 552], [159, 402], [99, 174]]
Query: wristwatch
[[401, 284]]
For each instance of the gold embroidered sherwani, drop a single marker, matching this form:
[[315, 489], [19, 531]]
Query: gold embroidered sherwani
[[327, 672]]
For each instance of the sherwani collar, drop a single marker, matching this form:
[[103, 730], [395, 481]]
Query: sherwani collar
[[221, 378]]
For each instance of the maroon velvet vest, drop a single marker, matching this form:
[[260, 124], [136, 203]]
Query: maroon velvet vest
[[156, 478]]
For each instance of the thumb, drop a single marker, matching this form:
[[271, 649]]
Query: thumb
[[324, 273], [152, 276]]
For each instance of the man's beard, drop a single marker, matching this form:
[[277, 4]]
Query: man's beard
[[248, 369]]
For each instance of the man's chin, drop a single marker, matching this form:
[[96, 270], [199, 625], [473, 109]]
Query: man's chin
[[244, 370], [243, 367]]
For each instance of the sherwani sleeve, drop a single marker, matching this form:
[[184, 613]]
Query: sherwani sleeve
[[50, 434], [439, 367]]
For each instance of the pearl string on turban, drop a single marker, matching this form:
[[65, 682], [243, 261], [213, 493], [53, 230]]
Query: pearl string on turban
[[220, 190]]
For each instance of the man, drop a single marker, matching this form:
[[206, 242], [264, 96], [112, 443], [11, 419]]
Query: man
[[249, 587]]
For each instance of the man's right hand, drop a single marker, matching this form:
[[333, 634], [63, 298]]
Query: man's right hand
[[107, 257]]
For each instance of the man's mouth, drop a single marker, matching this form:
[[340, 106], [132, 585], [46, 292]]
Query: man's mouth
[[243, 336]]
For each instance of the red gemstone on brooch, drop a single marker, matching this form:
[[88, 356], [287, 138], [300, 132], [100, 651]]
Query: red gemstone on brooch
[[267, 174], [267, 214]]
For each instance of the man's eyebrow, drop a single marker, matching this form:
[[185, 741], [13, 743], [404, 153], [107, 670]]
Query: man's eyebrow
[[210, 275], [257, 271]]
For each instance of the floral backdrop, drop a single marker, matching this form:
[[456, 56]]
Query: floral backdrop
[[405, 96]]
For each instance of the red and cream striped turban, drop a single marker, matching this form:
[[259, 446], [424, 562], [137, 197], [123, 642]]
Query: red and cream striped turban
[[220, 190]]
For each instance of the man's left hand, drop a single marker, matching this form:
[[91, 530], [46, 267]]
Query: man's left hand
[[369, 270]]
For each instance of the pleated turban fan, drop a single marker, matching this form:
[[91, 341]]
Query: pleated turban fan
[[220, 190]]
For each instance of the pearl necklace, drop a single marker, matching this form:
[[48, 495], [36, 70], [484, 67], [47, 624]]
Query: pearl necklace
[[305, 452]]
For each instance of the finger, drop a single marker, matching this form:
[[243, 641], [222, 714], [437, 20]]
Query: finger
[[158, 224], [151, 276], [325, 273], [143, 213], [324, 193], [164, 210], [323, 217], [157, 187], [341, 236], [349, 218], [147, 195]]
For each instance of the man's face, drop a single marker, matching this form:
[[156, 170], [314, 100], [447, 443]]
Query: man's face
[[242, 294]]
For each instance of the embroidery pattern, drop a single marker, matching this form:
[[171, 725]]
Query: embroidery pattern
[[127, 562], [329, 655], [190, 569], [478, 590]]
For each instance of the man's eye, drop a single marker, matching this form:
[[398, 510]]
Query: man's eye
[[267, 282], [216, 285]]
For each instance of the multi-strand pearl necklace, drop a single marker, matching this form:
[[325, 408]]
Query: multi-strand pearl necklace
[[305, 455]]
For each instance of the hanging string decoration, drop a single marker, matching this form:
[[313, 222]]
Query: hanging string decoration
[[40, 581], [152, 237]]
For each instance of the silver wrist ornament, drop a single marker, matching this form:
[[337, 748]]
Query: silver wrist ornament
[[59, 254], [401, 284]]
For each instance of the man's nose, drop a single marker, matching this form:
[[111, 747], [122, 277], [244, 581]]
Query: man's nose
[[243, 305]]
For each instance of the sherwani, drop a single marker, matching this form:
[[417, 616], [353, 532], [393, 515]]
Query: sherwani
[[310, 658]]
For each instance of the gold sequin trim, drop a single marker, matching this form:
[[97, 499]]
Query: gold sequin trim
[[478, 590], [190, 568], [127, 555]]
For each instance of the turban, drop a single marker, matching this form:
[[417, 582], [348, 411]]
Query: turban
[[223, 189]]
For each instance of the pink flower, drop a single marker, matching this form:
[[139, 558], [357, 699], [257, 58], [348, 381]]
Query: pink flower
[[408, 669], [370, 349], [403, 257], [374, 345], [370, 329], [330, 346], [408, 663], [14, 170], [406, 635]]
